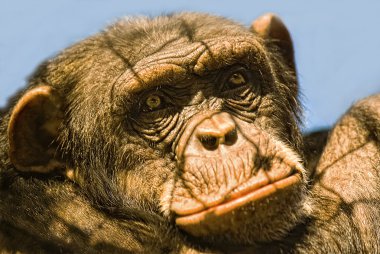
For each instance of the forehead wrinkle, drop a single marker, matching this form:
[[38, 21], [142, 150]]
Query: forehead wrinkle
[[175, 64], [225, 50], [125, 60], [132, 82], [160, 68]]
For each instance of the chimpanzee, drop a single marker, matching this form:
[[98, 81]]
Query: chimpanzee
[[180, 134]]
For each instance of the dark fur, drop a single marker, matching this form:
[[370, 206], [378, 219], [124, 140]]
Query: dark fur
[[50, 214]]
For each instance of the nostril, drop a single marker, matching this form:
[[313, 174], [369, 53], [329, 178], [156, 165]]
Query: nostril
[[209, 142], [230, 138]]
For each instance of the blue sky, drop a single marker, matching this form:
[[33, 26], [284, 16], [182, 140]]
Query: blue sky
[[337, 43]]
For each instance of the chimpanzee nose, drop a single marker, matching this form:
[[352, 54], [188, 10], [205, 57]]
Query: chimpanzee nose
[[217, 130]]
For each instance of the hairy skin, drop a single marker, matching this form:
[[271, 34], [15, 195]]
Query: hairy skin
[[179, 134]]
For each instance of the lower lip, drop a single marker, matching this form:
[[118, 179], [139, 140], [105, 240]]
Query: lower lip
[[229, 206]]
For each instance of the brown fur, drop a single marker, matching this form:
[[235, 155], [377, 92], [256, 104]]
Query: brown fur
[[113, 181]]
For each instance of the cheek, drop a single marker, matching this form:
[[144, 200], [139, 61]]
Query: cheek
[[146, 182]]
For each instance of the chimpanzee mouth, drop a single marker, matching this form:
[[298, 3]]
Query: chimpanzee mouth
[[240, 197]]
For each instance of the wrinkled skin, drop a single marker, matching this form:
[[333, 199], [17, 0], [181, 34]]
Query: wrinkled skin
[[180, 134]]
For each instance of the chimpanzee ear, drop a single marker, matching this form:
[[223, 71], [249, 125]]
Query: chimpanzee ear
[[271, 28], [32, 130]]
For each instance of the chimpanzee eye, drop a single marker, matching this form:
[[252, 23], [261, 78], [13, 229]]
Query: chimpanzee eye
[[236, 79], [153, 102]]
